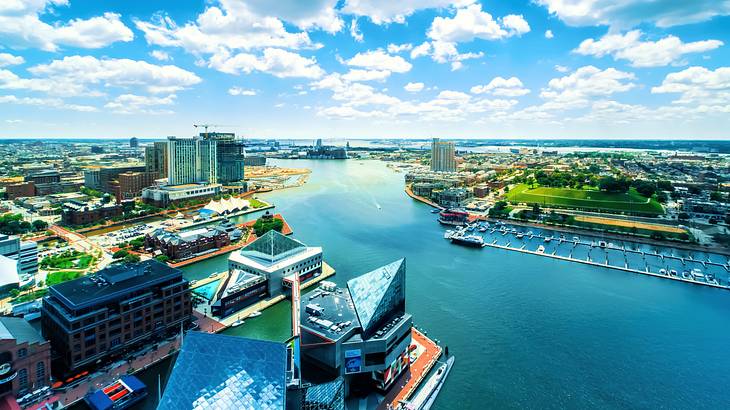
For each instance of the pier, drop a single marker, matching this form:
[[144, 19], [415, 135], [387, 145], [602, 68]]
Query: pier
[[697, 268]]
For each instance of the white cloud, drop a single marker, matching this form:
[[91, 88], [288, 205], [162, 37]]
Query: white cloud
[[549, 34], [577, 89], [277, 62], [413, 87], [140, 104], [421, 50], [511, 87], [561, 68], [56, 103], [668, 50], [21, 26], [307, 15], [380, 60], [355, 32], [9, 59], [698, 85], [241, 91], [471, 22], [388, 11], [79, 72], [160, 55], [629, 13], [397, 48], [366, 75]]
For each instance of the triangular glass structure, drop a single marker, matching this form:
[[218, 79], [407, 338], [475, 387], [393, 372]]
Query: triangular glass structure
[[272, 246], [379, 293]]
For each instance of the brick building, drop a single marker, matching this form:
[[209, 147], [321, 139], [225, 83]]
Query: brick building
[[23, 189], [130, 184], [184, 245], [76, 212], [107, 315], [25, 358]]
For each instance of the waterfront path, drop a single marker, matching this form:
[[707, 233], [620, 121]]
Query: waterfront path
[[411, 379]]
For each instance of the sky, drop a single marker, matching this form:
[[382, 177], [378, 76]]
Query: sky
[[593, 69]]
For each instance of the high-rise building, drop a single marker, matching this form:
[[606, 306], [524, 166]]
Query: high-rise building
[[230, 156], [192, 160], [134, 142], [25, 252], [155, 158], [443, 156]]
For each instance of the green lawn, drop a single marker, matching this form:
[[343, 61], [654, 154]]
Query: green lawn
[[255, 203], [631, 202], [61, 276]]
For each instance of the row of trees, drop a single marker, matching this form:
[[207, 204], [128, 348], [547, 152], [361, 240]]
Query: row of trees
[[13, 224]]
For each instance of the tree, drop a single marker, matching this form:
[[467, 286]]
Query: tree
[[715, 196], [645, 188], [136, 243], [39, 225], [162, 258], [120, 254], [694, 190], [614, 184], [662, 197], [683, 216], [131, 258], [665, 186], [14, 293]]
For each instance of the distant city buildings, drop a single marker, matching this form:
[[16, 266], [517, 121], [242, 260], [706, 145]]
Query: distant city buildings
[[134, 142], [443, 157], [107, 314], [254, 161], [25, 252], [155, 159]]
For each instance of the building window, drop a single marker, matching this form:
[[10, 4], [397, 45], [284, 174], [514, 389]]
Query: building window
[[40, 373], [23, 378], [22, 353]]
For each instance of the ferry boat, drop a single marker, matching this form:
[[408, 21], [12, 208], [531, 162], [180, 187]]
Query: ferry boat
[[540, 249], [482, 228], [448, 234], [120, 395], [474, 241]]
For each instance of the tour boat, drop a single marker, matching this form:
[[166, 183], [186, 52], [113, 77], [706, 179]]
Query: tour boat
[[474, 241]]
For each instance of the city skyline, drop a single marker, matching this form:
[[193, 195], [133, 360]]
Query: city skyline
[[355, 69]]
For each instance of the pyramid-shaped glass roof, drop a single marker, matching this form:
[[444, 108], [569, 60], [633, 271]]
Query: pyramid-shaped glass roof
[[226, 372], [378, 293], [272, 246]]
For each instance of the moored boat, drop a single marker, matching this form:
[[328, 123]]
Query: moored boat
[[474, 241], [120, 395]]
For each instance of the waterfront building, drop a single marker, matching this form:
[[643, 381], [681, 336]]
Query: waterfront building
[[265, 268], [191, 160], [184, 245], [155, 158], [25, 252], [116, 310], [254, 161], [361, 333], [230, 156], [165, 195], [443, 156], [242, 373], [453, 197], [75, 212], [25, 360]]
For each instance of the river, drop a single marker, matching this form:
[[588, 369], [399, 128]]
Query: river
[[527, 331]]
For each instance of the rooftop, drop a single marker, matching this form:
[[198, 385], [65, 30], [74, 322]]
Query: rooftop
[[111, 282], [272, 246], [239, 373], [19, 329], [378, 293], [330, 314]]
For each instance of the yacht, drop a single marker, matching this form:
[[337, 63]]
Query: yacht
[[448, 234], [482, 228], [520, 235], [474, 241], [697, 274]]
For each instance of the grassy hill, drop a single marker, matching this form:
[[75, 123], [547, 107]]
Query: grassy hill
[[585, 199]]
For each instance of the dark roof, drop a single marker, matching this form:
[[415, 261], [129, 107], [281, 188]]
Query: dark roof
[[223, 372], [378, 293], [112, 282], [271, 245], [335, 310], [19, 329]]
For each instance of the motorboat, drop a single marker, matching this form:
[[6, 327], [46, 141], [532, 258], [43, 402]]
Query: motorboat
[[253, 314], [540, 249]]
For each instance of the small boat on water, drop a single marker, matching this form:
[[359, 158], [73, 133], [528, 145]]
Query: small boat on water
[[548, 239], [120, 395], [672, 272], [576, 239], [253, 314], [663, 271], [686, 274], [697, 274], [238, 322], [435, 211], [482, 228], [448, 234], [520, 235], [602, 244], [540, 249]]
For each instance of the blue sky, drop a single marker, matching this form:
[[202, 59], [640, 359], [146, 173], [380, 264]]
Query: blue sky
[[366, 68]]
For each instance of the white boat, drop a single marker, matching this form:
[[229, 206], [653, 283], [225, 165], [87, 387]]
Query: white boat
[[448, 234], [548, 239], [482, 229], [254, 314], [576, 239], [426, 396], [238, 322], [520, 235], [541, 249], [697, 274], [662, 271], [673, 272], [602, 244]]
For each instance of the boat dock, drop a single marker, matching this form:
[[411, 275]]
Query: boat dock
[[698, 268]]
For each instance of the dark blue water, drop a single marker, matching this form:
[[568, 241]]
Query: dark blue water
[[527, 331]]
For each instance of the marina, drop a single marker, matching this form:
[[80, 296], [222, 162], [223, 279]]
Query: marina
[[698, 268]]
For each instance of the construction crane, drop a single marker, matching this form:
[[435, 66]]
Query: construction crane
[[206, 126]]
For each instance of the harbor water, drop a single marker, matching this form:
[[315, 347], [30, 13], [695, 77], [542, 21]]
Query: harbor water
[[528, 331]]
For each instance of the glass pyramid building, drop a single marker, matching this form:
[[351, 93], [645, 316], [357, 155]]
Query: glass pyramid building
[[226, 372], [272, 246], [378, 294]]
